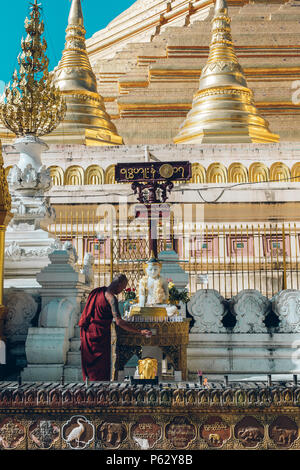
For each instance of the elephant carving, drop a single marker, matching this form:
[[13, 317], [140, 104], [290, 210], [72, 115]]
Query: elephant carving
[[148, 368], [285, 436], [250, 434], [112, 433], [215, 439]]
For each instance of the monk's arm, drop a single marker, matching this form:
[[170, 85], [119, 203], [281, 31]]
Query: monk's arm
[[119, 321]]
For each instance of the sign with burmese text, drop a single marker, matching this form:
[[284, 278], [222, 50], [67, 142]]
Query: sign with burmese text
[[152, 171]]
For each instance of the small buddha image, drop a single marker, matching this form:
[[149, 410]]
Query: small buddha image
[[153, 288]]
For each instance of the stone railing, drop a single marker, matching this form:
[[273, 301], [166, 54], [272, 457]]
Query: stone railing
[[247, 312]]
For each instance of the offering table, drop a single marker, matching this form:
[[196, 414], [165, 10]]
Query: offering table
[[170, 336]]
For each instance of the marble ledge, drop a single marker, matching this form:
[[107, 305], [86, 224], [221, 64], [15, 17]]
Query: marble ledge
[[68, 155], [276, 193]]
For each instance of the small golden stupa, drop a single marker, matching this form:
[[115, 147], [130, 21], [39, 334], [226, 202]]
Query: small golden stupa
[[223, 110], [86, 121]]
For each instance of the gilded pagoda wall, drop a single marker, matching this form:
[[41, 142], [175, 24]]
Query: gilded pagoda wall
[[148, 85]]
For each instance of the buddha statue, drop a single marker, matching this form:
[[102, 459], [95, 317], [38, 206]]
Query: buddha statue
[[153, 292]]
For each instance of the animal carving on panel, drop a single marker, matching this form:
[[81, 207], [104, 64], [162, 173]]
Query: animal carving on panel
[[214, 438], [215, 431], [249, 431], [112, 434], [283, 431], [250, 434], [285, 436], [78, 432], [148, 368]]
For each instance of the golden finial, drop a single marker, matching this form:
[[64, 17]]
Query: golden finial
[[86, 116], [223, 110], [221, 5], [76, 15], [32, 105]]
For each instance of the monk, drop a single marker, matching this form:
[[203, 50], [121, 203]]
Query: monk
[[95, 335]]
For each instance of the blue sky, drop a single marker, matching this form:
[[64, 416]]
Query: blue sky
[[97, 14]]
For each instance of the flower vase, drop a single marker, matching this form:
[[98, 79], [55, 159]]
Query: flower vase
[[127, 306]]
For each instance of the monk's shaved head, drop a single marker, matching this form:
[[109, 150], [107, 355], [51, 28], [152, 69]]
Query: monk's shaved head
[[118, 284]]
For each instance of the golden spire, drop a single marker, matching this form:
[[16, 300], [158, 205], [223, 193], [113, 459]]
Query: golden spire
[[223, 110], [86, 119], [76, 15], [32, 105]]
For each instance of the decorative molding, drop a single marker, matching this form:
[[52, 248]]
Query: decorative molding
[[74, 176], [207, 307], [21, 309], [29, 181], [94, 174], [216, 173], [250, 308], [286, 304], [110, 175], [236, 172]]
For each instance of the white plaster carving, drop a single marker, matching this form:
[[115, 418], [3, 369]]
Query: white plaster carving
[[25, 207], [67, 246], [286, 304], [87, 269], [56, 245], [15, 253], [60, 313], [207, 308], [250, 308], [30, 148], [29, 179], [21, 309]]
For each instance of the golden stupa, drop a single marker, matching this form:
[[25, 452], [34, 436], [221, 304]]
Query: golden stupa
[[223, 110], [86, 121]]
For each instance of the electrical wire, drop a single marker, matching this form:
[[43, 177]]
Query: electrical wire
[[223, 188], [228, 188]]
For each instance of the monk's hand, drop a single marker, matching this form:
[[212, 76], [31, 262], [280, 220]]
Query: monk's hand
[[146, 333]]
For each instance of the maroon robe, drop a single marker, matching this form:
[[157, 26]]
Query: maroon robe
[[95, 337]]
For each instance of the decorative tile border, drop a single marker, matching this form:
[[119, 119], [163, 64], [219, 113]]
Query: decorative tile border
[[77, 417]]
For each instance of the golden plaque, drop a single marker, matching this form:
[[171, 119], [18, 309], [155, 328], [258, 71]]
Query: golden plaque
[[166, 171]]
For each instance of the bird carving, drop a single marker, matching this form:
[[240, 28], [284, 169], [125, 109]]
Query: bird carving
[[77, 432]]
